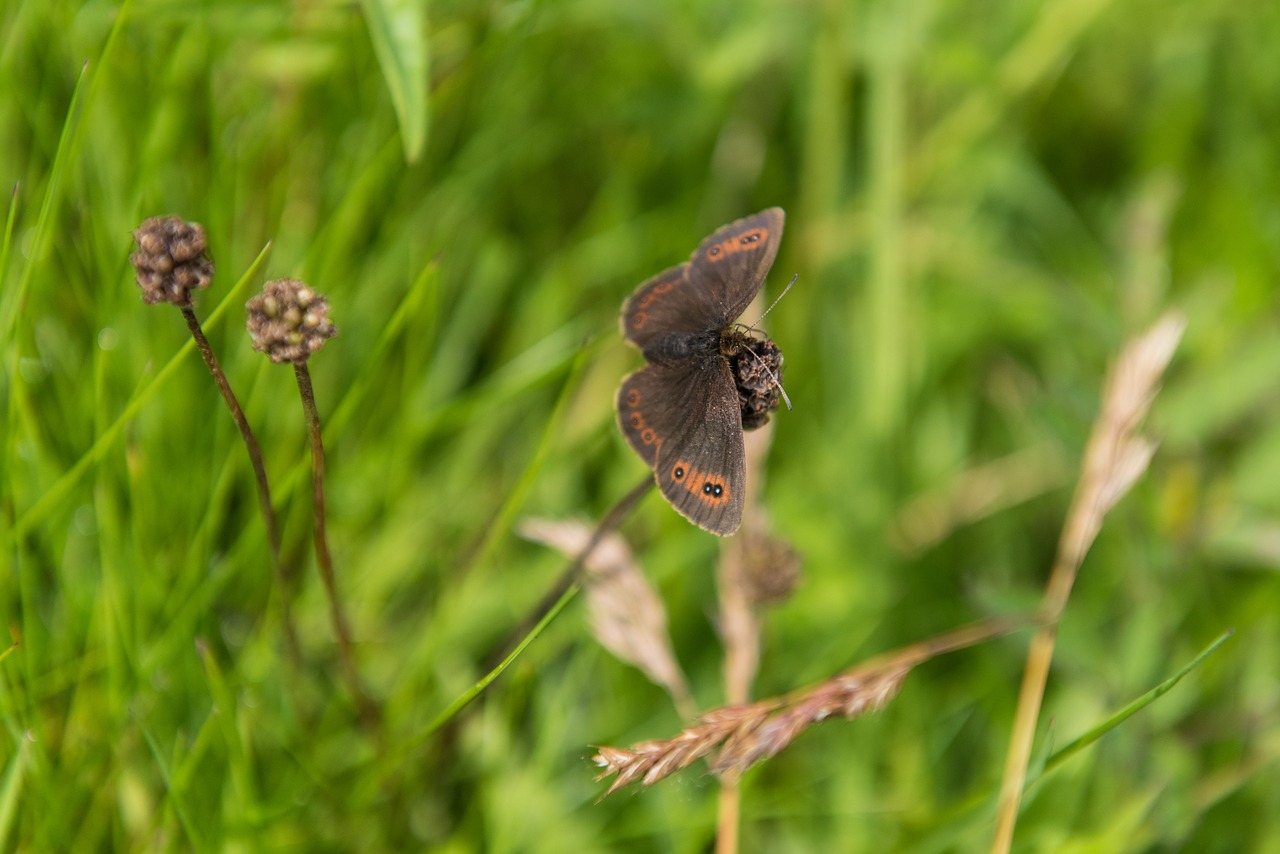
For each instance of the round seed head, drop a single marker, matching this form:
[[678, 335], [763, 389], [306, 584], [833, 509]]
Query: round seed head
[[288, 321], [756, 369], [171, 260], [773, 569]]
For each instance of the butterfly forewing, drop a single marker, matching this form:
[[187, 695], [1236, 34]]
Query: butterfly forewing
[[663, 305], [730, 265]]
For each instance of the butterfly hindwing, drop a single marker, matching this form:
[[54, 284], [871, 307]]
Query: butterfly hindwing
[[701, 469], [649, 410]]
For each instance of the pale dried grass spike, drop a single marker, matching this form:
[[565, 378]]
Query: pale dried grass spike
[[627, 616]]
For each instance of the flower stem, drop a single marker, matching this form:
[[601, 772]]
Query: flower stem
[[369, 715], [259, 474]]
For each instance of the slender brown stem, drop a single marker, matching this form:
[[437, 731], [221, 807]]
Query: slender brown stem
[[260, 477], [369, 715], [571, 575]]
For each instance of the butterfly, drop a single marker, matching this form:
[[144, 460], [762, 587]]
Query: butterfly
[[706, 379]]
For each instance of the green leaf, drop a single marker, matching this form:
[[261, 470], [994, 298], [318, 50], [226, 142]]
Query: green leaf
[[398, 31]]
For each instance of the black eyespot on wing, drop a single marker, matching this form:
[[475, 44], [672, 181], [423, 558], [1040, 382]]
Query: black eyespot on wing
[[702, 468]]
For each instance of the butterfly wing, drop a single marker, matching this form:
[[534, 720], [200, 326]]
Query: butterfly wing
[[713, 288], [681, 413], [685, 422], [649, 411], [729, 267], [662, 305]]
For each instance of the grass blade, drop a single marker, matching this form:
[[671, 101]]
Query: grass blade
[[1075, 746], [398, 31]]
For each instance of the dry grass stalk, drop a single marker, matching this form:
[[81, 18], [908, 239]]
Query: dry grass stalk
[[746, 734], [627, 616], [1114, 459], [738, 622]]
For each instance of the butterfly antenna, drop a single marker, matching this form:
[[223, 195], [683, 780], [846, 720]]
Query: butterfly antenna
[[776, 381], [774, 303]]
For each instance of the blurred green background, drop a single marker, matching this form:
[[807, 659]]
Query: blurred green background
[[984, 201]]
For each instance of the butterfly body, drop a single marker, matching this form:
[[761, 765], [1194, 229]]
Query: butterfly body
[[678, 346], [706, 380]]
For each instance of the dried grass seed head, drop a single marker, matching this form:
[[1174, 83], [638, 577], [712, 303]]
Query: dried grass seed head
[[171, 260], [288, 321]]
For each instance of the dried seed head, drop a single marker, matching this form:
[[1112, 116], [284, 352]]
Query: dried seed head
[[288, 321], [749, 733], [171, 260], [771, 568], [756, 367]]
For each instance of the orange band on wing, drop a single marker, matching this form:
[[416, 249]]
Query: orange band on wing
[[740, 243], [636, 419], [708, 488]]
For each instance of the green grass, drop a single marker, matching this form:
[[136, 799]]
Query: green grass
[[983, 203]]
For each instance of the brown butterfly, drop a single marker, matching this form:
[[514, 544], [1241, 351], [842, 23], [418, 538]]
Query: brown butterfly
[[707, 380]]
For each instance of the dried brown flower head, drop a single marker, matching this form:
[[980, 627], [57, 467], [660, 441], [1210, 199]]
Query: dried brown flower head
[[771, 568], [757, 367], [289, 321], [171, 261]]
